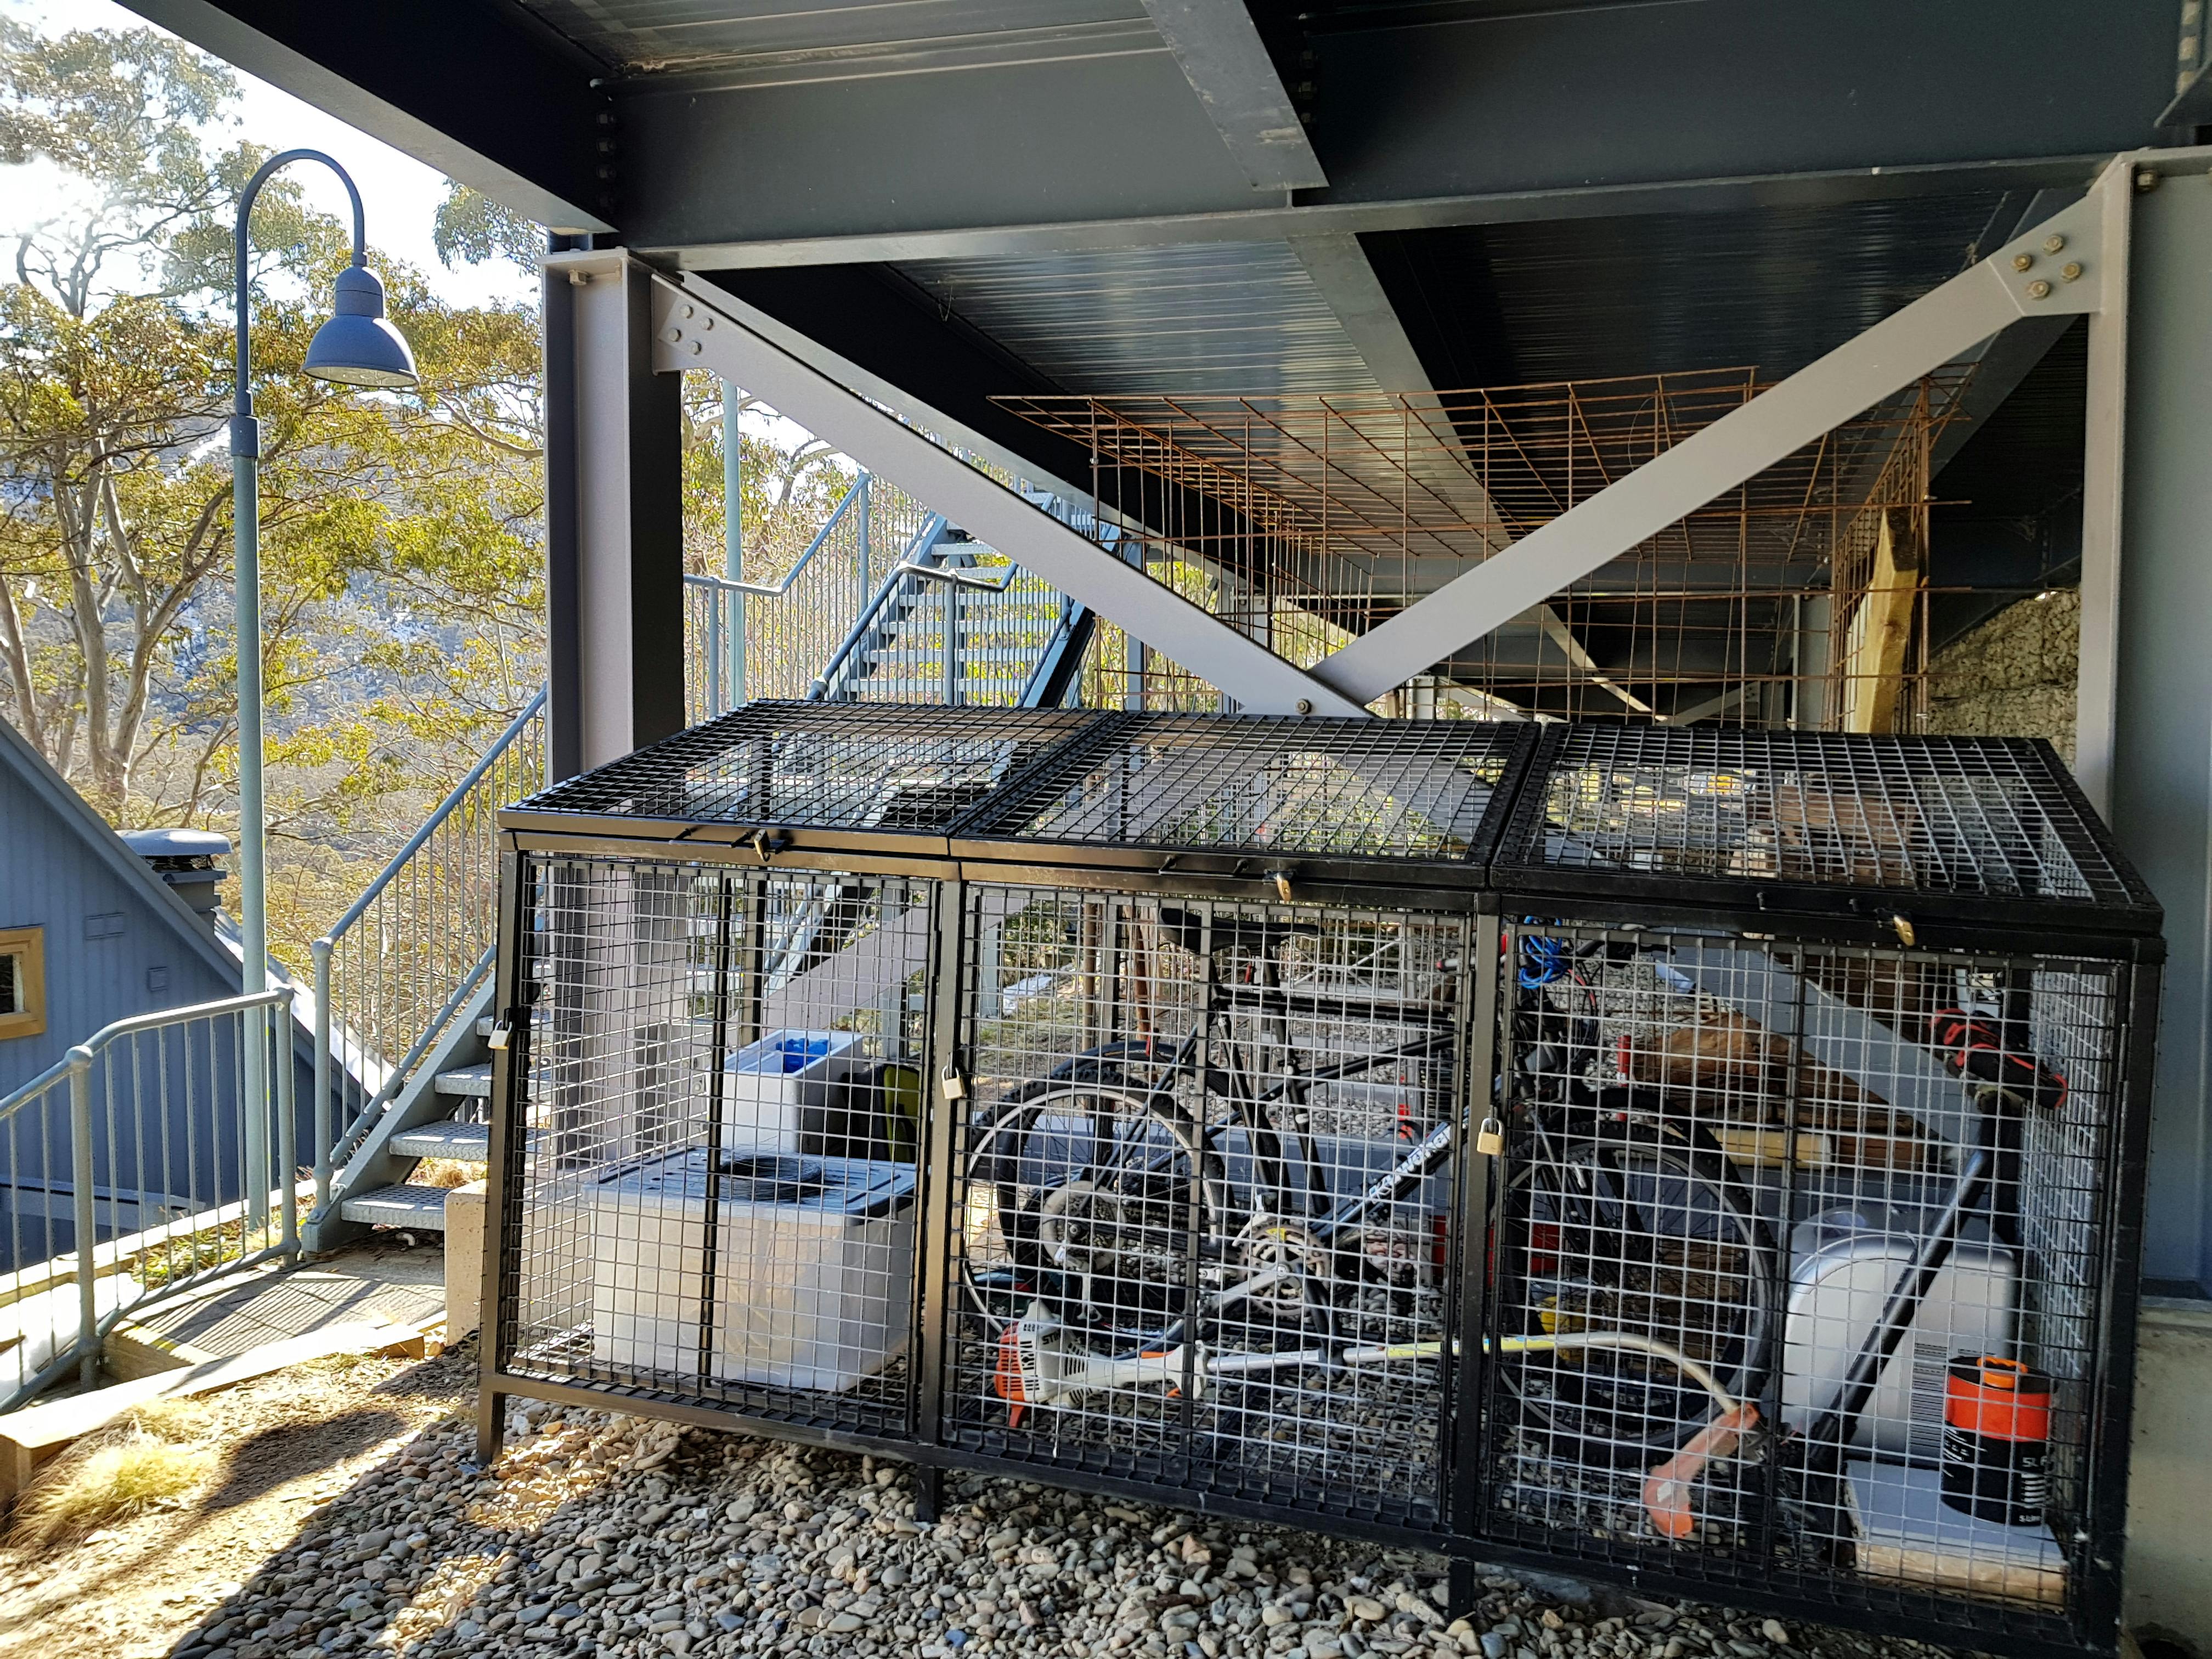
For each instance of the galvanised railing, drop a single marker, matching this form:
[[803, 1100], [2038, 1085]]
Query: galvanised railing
[[137, 1170], [748, 639], [401, 963], [954, 622]]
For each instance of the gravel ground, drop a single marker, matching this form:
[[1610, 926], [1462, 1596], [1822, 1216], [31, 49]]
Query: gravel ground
[[598, 1537]]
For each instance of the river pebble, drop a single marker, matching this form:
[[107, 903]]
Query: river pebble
[[604, 1537]]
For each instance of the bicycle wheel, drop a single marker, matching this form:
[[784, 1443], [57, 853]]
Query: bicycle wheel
[[1631, 1230], [1091, 1199]]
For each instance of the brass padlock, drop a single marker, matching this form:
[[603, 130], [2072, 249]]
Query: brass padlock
[[955, 1087], [1490, 1138], [501, 1034]]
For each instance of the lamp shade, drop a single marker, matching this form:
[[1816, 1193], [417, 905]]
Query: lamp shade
[[357, 346]]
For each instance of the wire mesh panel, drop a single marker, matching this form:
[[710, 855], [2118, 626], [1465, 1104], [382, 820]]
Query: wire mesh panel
[[711, 1174], [1984, 829], [1366, 789], [1203, 1220], [799, 765], [1799, 1264]]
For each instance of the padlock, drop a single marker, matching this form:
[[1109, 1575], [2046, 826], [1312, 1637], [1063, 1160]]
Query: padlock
[[955, 1087], [501, 1034], [1490, 1138]]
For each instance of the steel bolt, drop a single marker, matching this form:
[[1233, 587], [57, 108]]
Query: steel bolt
[[2038, 289], [2022, 261], [2070, 270], [691, 311], [2146, 181], [697, 348], [673, 334], [2053, 244], [1306, 706]]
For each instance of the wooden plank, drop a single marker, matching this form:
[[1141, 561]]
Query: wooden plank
[[32, 1435], [132, 1352], [1880, 629]]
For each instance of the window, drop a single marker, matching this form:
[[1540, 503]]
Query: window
[[22, 982]]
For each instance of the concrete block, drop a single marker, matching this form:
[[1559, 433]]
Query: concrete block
[[2170, 1476], [465, 1209]]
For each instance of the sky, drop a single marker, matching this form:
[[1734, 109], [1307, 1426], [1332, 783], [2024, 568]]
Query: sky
[[399, 195]]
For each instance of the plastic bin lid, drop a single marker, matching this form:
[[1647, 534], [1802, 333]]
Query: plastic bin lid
[[855, 1188], [1991, 830]]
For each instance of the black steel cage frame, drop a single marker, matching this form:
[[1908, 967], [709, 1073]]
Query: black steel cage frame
[[970, 800]]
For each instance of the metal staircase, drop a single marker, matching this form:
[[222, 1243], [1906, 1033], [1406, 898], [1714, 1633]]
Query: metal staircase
[[956, 622]]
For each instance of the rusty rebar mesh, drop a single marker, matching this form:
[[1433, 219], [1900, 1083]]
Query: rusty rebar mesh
[[1799, 596]]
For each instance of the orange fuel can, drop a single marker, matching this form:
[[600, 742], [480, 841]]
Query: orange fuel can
[[1997, 1440]]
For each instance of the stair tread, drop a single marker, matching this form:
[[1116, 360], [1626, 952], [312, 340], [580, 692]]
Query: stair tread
[[463, 1143], [398, 1207], [466, 1080]]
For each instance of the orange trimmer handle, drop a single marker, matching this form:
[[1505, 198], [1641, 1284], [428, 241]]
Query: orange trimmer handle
[[1667, 1488]]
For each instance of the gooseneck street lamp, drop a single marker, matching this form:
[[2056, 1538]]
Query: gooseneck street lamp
[[356, 347]]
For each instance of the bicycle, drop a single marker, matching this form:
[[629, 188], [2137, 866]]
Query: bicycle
[[1168, 1212]]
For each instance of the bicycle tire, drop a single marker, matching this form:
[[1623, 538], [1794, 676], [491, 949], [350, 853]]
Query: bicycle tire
[[1701, 1280], [1135, 1226]]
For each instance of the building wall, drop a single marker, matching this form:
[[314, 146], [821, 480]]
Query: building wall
[[2014, 676], [110, 953]]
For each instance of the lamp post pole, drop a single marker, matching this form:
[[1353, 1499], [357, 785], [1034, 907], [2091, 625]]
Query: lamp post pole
[[355, 348], [733, 552]]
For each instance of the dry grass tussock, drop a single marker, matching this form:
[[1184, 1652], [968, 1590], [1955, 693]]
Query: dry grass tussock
[[156, 1456], [444, 1172]]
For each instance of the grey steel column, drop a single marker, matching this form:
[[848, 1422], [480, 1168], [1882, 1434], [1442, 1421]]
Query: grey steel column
[[614, 516], [2161, 774]]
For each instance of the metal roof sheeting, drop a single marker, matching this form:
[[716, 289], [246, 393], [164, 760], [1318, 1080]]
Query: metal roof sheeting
[[752, 38], [1222, 317]]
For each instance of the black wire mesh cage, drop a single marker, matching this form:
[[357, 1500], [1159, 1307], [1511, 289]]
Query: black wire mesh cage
[[1822, 1067], [710, 1183], [1077, 1090], [1707, 1159]]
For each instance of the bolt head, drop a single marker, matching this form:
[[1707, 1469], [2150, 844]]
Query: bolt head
[[2022, 261], [2070, 270], [2054, 243], [672, 335], [697, 348], [1305, 705], [2038, 289], [2146, 180]]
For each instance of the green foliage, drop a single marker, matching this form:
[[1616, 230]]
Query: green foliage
[[786, 493], [473, 229], [402, 571]]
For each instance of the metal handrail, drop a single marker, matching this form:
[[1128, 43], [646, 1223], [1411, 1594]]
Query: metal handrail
[[257, 1176], [864, 625], [332, 1144], [365, 1119], [439, 814], [777, 590]]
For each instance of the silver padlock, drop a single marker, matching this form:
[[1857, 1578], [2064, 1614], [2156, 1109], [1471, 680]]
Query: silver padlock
[[1490, 1138], [955, 1087], [501, 1034]]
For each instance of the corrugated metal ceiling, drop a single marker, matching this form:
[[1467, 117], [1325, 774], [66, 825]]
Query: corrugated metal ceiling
[[774, 41], [1571, 299], [1218, 317]]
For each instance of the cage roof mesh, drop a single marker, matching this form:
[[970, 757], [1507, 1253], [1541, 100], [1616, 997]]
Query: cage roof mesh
[[1983, 817], [1382, 789], [1341, 788], [885, 767]]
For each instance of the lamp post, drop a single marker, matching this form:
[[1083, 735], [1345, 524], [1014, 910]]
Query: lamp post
[[356, 347]]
